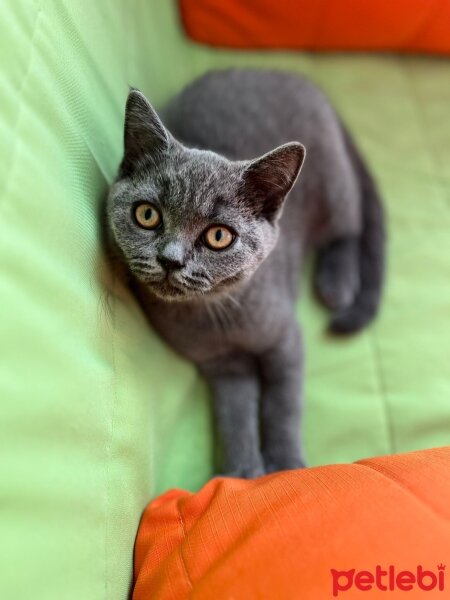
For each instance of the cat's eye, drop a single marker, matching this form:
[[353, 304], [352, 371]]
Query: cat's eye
[[147, 216], [218, 237]]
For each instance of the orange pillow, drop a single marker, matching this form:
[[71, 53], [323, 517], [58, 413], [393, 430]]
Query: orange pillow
[[400, 25], [378, 524]]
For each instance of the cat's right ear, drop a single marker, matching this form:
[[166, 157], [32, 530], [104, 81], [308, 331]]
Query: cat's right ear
[[144, 134], [269, 179]]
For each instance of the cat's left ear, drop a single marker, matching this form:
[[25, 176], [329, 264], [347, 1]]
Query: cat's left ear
[[269, 179], [144, 132]]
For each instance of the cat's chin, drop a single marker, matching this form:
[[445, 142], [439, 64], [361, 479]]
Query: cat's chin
[[163, 290], [169, 291]]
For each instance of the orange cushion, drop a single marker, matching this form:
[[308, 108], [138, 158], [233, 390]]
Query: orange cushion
[[300, 534], [402, 25]]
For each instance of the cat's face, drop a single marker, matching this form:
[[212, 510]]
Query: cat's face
[[190, 223]]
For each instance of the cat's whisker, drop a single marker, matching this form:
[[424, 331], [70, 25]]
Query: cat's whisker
[[194, 284], [200, 275], [145, 275], [138, 258], [212, 315], [144, 268], [187, 286], [141, 263], [233, 300], [221, 316], [225, 317]]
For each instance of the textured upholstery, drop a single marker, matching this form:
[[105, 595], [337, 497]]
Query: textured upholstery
[[312, 534]]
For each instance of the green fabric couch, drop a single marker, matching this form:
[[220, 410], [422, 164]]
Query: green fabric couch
[[96, 414]]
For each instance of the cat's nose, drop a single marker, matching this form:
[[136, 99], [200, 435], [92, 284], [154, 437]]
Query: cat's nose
[[172, 256], [170, 264]]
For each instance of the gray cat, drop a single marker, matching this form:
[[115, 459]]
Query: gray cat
[[214, 247]]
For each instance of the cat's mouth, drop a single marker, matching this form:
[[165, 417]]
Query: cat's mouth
[[174, 286], [171, 290], [167, 292]]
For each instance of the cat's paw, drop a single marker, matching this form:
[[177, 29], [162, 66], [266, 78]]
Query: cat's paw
[[284, 464], [246, 472], [337, 294], [337, 277]]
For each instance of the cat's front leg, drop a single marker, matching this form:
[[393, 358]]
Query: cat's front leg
[[235, 385], [281, 403]]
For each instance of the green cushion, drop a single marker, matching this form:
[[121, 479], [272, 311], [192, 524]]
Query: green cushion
[[96, 414]]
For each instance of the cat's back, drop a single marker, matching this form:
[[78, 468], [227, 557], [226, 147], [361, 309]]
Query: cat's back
[[242, 113]]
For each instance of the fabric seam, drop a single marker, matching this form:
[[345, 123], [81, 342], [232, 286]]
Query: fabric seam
[[382, 387], [183, 561], [404, 487], [15, 137]]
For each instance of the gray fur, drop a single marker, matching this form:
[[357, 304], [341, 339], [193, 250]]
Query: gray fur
[[231, 312]]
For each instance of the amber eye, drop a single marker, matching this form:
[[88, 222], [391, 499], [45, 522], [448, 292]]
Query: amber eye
[[218, 237], [147, 215]]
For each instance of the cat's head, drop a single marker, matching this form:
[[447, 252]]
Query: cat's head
[[190, 223]]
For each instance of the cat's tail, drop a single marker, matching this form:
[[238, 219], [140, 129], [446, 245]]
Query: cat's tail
[[372, 244]]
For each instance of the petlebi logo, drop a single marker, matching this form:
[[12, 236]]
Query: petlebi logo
[[388, 579]]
